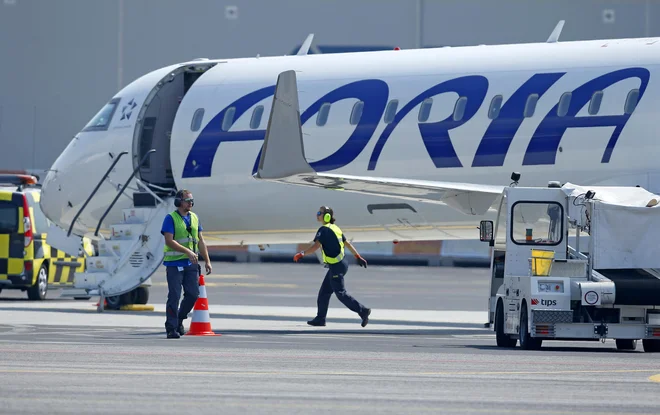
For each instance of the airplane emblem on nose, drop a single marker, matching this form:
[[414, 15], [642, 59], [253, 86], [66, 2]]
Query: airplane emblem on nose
[[127, 110]]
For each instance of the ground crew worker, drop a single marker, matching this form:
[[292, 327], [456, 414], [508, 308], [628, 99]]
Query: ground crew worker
[[331, 240], [183, 243]]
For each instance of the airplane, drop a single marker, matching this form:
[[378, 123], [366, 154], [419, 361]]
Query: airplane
[[452, 118]]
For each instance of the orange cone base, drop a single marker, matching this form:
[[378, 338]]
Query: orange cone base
[[201, 329], [207, 333]]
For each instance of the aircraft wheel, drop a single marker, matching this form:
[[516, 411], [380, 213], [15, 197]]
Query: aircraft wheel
[[141, 295], [113, 303], [128, 298], [626, 344]]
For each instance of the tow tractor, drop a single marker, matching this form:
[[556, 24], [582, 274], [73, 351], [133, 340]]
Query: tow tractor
[[575, 263]]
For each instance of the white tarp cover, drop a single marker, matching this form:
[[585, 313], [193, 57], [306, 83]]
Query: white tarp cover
[[625, 231], [622, 196]]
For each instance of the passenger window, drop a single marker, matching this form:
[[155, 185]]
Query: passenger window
[[495, 106], [228, 119], [425, 110], [530, 106], [256, 117], [197, 118], [356, 114], [631, 101], [390, 111], [564, 104], [596, 100], [459, 108], [323, 114]]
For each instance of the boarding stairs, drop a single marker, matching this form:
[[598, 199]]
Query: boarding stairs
[[132, 251]]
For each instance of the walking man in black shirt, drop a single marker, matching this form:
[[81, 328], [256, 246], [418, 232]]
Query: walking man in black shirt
[[331, 240]]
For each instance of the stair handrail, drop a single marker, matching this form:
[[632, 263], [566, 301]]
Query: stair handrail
[[137, 168], [165, 189], [98, 185], [151, 192]]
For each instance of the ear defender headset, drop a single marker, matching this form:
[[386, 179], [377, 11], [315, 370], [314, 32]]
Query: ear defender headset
[[328, 213], [178, 198]]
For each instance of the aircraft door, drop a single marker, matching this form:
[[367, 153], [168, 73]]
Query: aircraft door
[[155, 131]]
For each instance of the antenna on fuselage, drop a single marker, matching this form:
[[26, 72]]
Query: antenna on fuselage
[[554, 36]]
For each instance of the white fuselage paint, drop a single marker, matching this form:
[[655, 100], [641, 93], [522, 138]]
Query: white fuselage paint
[[235, 208]]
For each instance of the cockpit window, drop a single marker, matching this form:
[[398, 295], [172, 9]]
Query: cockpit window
[[101, 120]]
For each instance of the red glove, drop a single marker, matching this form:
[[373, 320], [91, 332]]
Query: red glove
[[297, 256], [361, 261]]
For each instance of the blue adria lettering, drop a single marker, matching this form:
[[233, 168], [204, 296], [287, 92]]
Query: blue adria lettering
[[542, 148], [495, 143], [373, 93], [436, 135], [202, 153], [493, 146]]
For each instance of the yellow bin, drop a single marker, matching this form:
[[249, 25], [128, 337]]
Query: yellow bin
[[542, 262]]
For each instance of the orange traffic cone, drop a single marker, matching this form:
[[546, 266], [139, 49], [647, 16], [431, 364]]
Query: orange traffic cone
[[201, 321]]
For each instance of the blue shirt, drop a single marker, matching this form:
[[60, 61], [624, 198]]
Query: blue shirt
[[328, 240], [168, 226]]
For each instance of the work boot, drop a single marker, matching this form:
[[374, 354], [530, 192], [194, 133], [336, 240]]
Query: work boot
[[180, 329], [365, 316], [173, 334], [316, 321]]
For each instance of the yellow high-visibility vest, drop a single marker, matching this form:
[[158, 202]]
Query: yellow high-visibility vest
[[182, 236], [338, 258]]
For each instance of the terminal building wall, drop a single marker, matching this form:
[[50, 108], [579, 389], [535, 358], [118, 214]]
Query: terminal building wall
[[62, 60]]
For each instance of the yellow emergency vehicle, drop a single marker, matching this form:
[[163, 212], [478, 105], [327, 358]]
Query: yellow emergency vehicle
[[27, 262]]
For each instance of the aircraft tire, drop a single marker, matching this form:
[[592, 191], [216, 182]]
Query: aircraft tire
[[141, 295], [113, 302]]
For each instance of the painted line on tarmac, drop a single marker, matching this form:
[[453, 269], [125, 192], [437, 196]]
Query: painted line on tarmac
[[237, 284], [98, 343], [309, 373], [246, 402], [230, 276], [655, 378]]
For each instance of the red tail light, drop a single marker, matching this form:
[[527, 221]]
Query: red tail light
[[27, 224]]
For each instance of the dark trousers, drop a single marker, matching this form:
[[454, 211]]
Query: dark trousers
[[189, 280], [334, 282]]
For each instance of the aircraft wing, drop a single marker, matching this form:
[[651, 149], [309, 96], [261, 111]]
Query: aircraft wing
[[283, 160]]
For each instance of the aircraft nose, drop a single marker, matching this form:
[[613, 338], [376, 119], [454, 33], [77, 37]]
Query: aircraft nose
[[50, 197]]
